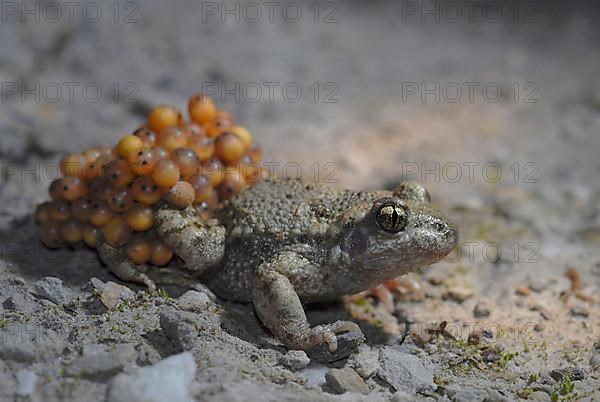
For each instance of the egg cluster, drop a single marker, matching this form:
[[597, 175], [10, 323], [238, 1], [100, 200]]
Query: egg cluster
[[115, 191]]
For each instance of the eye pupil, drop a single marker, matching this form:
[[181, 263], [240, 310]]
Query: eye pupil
[[391, 217]]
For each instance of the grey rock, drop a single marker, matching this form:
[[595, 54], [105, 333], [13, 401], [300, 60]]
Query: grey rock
[[179, 327], [50, 288], [345, 380], [543, 388], [111, 294], [26, 382], [579, 310], [595, 360], [194, 300], [365, 362], [402, 396], [347, 344], [168, 380], [539, 396], [470, 394], [495, 396], [21, 302], [575, 373], [404, 372], [99, 361], [25, 342], [8, 383], [481, 310], [95, 283], [295, 359], [537, 285]]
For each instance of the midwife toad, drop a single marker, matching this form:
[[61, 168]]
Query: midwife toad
[[284, 242]]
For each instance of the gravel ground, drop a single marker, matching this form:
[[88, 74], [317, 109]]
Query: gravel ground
[[514, 313]]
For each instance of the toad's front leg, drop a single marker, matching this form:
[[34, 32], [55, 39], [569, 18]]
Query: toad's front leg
[[279, 308]]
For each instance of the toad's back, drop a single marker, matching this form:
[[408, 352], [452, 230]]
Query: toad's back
[[273, 215]]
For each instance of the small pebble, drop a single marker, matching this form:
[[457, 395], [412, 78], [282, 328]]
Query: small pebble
[[537, 285], [579, 310], [112, 294], [295, 360], [523, 291], [458, 294], [346, 380], [50, 288], [481, 310], [544, 312], [194, 300]]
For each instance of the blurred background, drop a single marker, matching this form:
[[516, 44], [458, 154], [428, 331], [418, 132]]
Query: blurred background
[[495, 106]]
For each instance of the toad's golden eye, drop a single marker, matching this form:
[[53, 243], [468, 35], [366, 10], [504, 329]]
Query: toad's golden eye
[[392, 217]]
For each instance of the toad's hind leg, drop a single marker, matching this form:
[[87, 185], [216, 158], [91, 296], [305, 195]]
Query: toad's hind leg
[[117, 262], [279, 308], [200, 245]]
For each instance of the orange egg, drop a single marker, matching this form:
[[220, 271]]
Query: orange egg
[[101, 213], [59, 211], [165, 173], [91, 154], [203, 146], [142, 161], [92, 170], [163, 116], [145, 191], [187, 161], [202, 109], [50, 234], [214, 170], [255, 152], [193, 129], [243, 134], [116, 232], [118, 173], [139, 250], [82, 209], [72, 188], [99, 189], [215, 127], [90, 235], [140, 217], [251, 170], [202, 187], [147, 136], [55, 189], [161, 254], [171, 138], [128, 145], [72, 165], [229, 147], [120, 199], [70, 231], [42, 213], [233, 184]]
